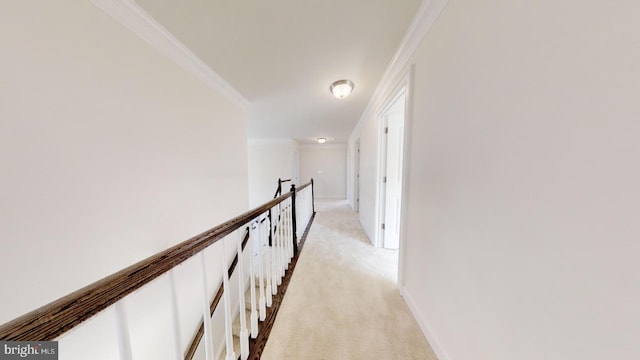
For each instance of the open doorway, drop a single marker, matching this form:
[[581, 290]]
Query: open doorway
[[392, 121]]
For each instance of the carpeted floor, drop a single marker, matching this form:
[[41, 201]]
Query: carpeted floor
[[342, 302]]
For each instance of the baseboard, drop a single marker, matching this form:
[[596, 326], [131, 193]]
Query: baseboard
[[424, 325]]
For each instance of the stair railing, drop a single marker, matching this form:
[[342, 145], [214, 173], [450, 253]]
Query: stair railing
[[278, 193], [279, 188], [266, 263], [305, 206]]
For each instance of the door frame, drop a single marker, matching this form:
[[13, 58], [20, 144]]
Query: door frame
[[382, 166], [404, 86]]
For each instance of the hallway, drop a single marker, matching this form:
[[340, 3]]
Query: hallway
[[342, 302]]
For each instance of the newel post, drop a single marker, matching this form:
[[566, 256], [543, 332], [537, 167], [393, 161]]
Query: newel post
[[293, 218]]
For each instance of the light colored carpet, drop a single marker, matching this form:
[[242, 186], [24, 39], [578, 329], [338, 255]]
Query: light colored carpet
[[342, 301]]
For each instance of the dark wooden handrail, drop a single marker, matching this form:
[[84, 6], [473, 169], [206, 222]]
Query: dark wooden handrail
[[54, 319], [301, 187]]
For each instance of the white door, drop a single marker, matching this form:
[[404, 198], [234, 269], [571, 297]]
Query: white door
[[393, 184]]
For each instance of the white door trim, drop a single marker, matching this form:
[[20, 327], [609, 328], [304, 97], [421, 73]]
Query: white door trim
[[383, 148], [404, 86]]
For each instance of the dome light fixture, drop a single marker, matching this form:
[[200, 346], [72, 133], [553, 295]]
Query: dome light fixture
[[341, 88], [321, 140]]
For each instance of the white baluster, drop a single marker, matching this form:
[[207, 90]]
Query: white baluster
[[306, 208], [282, 245], [303, 209], [276, 251], [231, 355], [309, 203], [175, 318], [292, 214], [297, 214], [124, 341], [252, 284], [309, 206], [261, 266], [286, 233], [303, 213], [285, 243], [267, 257], [206, 312], [244, 334], [273, 257], [291, 219], [290, 227]]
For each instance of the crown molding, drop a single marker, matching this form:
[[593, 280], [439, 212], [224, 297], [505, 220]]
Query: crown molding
[[132, 16], [426, 16]]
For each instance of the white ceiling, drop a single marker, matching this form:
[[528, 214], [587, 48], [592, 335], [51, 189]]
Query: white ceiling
[[282, 55]]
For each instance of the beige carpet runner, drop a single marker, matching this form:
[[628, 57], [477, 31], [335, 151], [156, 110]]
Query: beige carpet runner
[[342, 301]]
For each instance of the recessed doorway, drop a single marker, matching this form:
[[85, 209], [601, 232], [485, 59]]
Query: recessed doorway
[[393, 120]]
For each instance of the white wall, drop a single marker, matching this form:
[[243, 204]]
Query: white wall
[[269, 160], [110, 152], [368, 131], [521, 229], [327, 165]]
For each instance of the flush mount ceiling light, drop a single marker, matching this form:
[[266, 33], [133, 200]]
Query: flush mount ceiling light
[[321, 140], [341, 88]]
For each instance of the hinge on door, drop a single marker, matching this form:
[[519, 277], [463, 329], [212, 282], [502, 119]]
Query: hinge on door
[[382, 226], [384, 179], [386, 130]]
